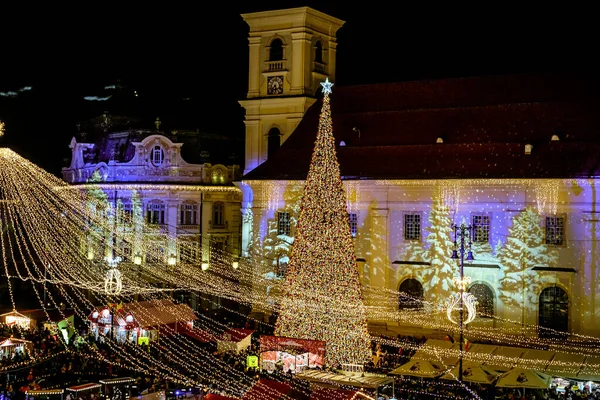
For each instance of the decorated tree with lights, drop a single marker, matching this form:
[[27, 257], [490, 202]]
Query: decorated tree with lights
[[443, 268], [525, 248], [321, 295]]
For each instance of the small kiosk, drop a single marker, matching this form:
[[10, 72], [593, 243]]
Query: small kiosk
[[13, 345], [45, 394], [140, 320], [16, 318], [117, 388], [86, 391]]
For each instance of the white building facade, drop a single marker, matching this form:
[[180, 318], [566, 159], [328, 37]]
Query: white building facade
[[515, 158]]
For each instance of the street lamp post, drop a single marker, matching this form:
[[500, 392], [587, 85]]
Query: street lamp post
[[463, 234]]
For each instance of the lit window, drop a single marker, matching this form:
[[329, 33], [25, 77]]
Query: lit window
[[555, 230], [411, 294], [218, 214], [481, 227], [189, 214], [124, 213], [189, 251], [158, 155], [412, 226], [353, 223], [485, 300], [283, 223], [155, 214]]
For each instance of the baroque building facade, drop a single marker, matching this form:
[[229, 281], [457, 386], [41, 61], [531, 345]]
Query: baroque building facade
[[515, 158], [190, 202]]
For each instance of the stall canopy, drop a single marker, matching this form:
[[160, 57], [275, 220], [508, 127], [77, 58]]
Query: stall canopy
[[590, 369], [524, 379], [235, 340], [16, 318], [535, 359], [268, 389], [565, 365], [11, 345], [330, 378], [472, 372], [324, 393], [506, 357], [438, 351], [151, 314], [419, 368]]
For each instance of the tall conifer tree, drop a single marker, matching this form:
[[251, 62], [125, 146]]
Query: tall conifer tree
[[321, 296]]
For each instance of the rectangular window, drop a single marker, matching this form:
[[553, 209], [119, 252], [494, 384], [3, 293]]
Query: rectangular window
[[353, 217], [155, 253], [188, 214], [156, 214], [218, 218], [481, 227], [283, 223], [124, 213], [555, 230], [412, 226], [189, 251]]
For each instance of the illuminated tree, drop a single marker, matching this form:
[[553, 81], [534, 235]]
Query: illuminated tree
[[524, 249], [321, 296], [443, 268]]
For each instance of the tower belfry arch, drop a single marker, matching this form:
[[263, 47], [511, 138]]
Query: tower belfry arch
[[281, 88]]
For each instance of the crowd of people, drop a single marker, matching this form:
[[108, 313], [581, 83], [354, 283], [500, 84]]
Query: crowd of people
[[49, 364]]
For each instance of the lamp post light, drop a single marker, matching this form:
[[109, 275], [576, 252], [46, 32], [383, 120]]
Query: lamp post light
[[462, 238]]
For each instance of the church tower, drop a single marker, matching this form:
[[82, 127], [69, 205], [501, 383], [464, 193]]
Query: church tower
[[291, 52]]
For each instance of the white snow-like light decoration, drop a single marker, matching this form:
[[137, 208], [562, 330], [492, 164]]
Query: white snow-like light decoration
[[468, 300], [113, 283]]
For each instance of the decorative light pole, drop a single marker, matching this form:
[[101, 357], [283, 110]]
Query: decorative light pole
[[462, 243]]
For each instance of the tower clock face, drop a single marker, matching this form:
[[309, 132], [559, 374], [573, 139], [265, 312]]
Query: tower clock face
[[275, 85]]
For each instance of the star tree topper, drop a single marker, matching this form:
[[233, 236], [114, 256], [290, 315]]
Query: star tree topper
[[327, 86]]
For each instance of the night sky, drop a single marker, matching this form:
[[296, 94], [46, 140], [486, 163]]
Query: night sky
[[182, 58]]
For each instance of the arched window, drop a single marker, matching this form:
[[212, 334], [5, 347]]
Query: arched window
[[273, 141], [411, 294], [276, 50], [319, 52], [485, 300], [218, 214], [554, 312], [158, 155]]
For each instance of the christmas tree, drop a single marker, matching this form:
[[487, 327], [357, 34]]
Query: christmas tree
[[321, 298], [443, 268], [525, 248]]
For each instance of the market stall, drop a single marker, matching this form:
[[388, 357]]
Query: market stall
[[290, 354], [140, 321], [235, 340], [117, 388], [10, 346], [45, 394], [15, 318], [85, 391]]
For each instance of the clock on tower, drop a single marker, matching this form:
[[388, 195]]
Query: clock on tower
[[275, 85]]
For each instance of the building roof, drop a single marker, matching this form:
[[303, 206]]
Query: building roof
[[236, 334], [391, 131], [159, 312], [154, 313]]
